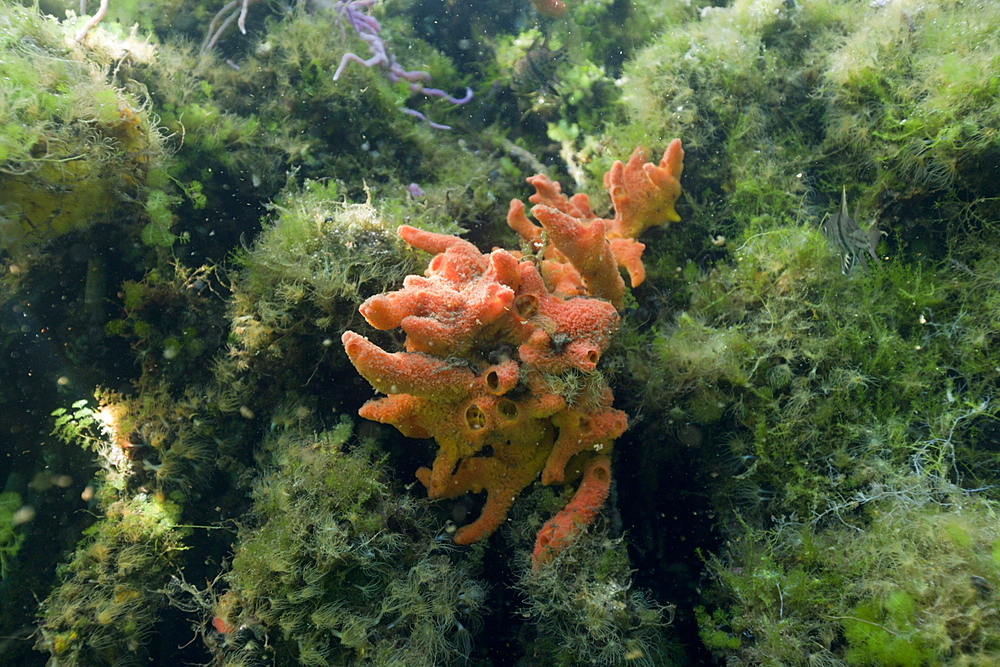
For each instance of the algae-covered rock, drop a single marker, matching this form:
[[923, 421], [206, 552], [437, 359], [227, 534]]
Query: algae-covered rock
[[847, 432], [586, 610], [104, 610], [309, 269], [74, 144], [335, 567], [783, 103]]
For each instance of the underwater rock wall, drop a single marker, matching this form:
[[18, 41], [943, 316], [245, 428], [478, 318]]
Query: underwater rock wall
[[810, 469]]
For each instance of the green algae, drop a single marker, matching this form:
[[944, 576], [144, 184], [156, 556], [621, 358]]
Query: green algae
[[10, 537]]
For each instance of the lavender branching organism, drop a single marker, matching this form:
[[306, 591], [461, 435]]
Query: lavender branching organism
[[234, 10], [368, 28]]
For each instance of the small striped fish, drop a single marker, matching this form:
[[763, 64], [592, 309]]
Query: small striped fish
[[853, 244]]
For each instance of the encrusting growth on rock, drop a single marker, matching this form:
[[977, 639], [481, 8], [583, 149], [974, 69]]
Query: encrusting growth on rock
[[489, 336]]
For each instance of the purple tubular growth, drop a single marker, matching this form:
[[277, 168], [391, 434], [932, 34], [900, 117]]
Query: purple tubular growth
[[435, 92], [417, 114], [368, 29]]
